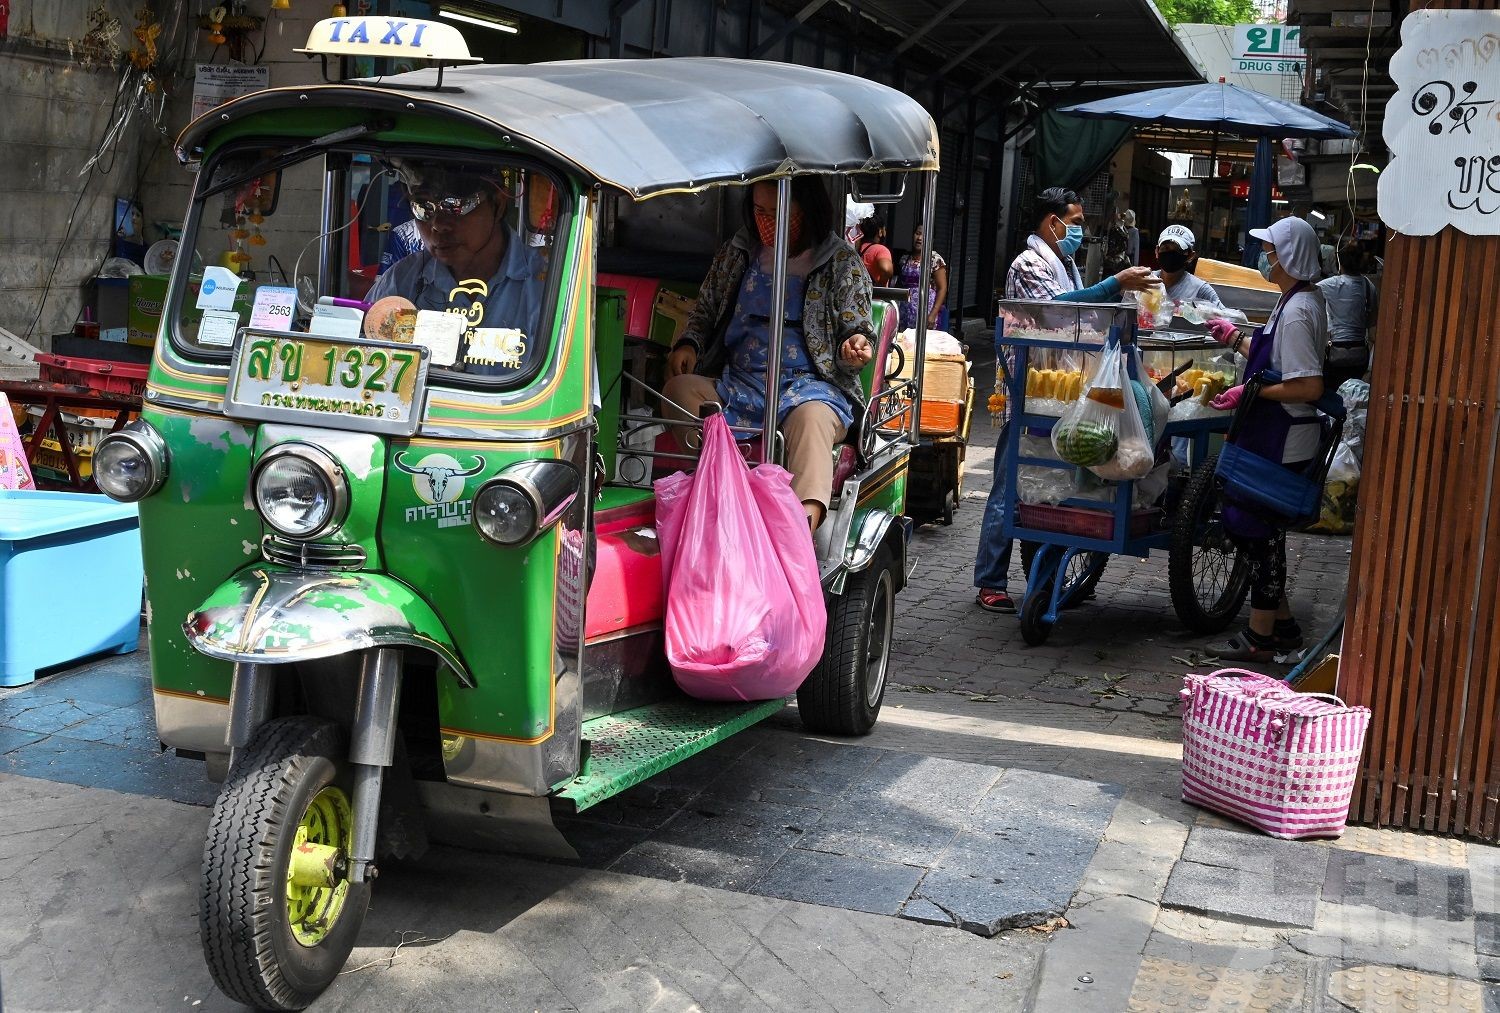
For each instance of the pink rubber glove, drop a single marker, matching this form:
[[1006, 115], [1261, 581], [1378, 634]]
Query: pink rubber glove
[[1224, 331], [1229, 400]]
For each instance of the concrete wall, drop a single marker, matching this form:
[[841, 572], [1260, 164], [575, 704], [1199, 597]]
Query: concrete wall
[[55, 113]]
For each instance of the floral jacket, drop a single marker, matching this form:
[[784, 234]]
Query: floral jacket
[[836, 306]]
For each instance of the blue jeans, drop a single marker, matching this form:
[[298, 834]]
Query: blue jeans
[[992, 562]]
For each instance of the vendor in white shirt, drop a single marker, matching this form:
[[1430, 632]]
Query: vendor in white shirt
[[1176, 252]]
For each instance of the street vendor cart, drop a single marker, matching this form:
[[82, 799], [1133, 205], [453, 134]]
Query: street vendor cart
[[1074, 521]]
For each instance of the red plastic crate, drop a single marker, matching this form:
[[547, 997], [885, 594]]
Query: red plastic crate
[[96, 374], [1081, 521]]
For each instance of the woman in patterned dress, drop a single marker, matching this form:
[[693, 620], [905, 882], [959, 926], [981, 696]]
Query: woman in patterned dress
[[724, 349]]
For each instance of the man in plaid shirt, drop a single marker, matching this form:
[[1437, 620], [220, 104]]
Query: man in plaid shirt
[[1045, 270]]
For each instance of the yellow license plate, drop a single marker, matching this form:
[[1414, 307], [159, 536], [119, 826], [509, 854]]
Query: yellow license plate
[[370, 386]]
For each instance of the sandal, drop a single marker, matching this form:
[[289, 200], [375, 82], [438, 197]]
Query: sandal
[[996, 601], [1246, 646]]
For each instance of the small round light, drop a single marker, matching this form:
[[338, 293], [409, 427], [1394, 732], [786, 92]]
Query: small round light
[[300, 491], [504, 514], [131, 464]]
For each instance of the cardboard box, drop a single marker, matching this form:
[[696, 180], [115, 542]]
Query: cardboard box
[[945, 378]]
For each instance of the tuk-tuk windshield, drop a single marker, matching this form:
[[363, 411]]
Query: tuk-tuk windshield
[[450, 252]]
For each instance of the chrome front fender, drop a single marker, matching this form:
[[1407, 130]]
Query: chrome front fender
[[268, 615]]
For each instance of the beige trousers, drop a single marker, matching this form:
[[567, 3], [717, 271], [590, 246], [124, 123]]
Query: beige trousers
[[811, 430]]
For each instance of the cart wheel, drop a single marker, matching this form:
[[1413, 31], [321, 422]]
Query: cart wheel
[[276, 930], [1084, 572], [843, 694], [1207, 575], [949, 505], [1034, 626]]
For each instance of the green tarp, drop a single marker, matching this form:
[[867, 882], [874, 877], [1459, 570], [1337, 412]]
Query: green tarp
[[1070, 151]]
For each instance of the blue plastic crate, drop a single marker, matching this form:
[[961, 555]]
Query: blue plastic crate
[[70, 580]]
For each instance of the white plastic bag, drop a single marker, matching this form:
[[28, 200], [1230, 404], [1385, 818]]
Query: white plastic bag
[[1088, 434]]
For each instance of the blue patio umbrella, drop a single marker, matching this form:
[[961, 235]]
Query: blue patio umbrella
[[1223, 109]]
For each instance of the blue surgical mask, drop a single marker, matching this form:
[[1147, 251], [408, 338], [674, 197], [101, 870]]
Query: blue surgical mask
[[1070, 243], [1265, 266]]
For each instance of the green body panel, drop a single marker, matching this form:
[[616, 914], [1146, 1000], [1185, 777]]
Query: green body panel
[[497, 602], [609, 346], [196, 532], [628, 747]]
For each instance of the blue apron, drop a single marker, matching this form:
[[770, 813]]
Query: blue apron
[[1265, 427]]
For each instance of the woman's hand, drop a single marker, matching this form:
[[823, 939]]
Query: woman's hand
[[932, 319], [684, 359], [1229, 400], [856, 351], [1134, 279], [1224, 331]]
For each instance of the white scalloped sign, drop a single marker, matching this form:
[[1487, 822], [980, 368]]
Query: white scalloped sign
[[1443, 125]]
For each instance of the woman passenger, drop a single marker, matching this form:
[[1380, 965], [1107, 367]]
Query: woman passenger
[[724, 349]]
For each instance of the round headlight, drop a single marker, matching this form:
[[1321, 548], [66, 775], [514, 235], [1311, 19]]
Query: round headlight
[[300, 491], [130, 464], [504, 514]]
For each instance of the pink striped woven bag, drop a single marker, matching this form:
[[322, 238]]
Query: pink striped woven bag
[[1256, 750]]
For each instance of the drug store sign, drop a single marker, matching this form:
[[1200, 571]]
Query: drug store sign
[[1443, 125]]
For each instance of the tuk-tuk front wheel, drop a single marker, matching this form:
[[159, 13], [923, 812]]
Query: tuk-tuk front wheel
[[277, 912], [843, 694]]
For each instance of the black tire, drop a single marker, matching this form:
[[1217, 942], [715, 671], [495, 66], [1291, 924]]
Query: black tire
[[242, 905], [843, 694], [1034, 627], [1206, 574], [949, 505], [1084, 572]]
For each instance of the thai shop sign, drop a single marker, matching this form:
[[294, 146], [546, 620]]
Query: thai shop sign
[[217, 83], [1442, 126], [1268, 49]]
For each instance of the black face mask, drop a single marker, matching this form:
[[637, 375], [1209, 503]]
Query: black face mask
[[1172, 261]]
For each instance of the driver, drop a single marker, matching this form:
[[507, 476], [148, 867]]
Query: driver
[[471, 263]]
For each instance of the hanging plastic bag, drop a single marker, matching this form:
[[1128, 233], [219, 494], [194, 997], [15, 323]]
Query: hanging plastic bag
[[1088, 433], [745, 614]]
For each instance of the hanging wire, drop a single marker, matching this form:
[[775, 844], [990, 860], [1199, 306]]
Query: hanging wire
[[122, 112], [1364, 112]]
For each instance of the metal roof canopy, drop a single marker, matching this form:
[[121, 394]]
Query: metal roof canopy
[[650, 126], [1337, 44], [1114, 44]]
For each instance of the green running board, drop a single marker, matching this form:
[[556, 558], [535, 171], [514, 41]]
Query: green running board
[[626, 748]]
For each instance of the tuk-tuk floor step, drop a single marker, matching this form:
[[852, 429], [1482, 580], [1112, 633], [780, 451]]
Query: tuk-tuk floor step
[[625, 749]]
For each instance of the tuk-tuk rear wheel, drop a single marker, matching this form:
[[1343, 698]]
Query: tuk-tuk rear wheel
[[843, 694], [276, 933]]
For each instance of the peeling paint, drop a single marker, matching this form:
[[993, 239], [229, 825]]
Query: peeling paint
[[234, 521], [248, 546]]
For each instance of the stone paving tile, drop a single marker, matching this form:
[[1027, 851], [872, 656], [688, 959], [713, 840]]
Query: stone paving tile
[[1398, 885], [31, 712], [15, 738], [133, 727], [95, 684], [1237, 894], [885, 831], [1366, 987], [1360, 934], [1169, 984], [984, 905], [855, 884]]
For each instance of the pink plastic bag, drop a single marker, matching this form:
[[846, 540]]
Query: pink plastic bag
[[745, 613]]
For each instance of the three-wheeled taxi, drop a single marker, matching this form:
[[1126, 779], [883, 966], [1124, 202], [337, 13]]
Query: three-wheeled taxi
[[395, 579]]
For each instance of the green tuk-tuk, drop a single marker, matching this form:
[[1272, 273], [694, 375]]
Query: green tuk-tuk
[[396, 576]]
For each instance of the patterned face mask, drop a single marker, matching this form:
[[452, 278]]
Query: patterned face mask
[[765, 225]]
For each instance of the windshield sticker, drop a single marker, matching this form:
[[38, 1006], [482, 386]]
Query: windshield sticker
[[218, 288], [497, 346], [438, 480], [274, 308], [218, 328], [441, 333]]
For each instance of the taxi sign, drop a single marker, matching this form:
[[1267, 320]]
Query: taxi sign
[[388, 36]]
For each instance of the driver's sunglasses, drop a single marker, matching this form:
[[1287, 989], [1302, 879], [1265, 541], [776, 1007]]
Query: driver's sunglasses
[[424, 209]]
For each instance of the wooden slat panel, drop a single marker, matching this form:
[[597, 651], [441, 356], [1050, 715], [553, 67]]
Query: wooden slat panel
[[1422, 648]]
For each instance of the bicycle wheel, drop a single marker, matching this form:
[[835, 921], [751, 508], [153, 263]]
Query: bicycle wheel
[[1206, 573]]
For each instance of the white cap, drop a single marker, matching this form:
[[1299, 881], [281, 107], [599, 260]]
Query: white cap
[[1297, 247], [1179, 234]]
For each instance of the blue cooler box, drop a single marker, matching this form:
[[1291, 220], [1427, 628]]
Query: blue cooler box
[[70, 580]]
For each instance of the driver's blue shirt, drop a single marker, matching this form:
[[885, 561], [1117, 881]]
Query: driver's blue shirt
[[512, 298]]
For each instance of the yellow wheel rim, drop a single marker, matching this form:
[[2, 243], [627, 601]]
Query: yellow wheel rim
[[317, 872]]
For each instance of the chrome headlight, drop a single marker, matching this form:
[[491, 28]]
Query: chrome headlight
[[524, 500], [131, 464], [300, 490]]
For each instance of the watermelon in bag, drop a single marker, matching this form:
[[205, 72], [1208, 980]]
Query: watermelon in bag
[[745, 613]]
